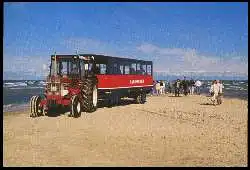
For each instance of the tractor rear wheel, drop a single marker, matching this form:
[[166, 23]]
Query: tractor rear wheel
[[89, 96], [75, 110]]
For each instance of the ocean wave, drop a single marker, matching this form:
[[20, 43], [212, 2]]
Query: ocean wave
[[15, 107], [16, 84], [24, 84], [7, 106], [20, 88], [30, 82]]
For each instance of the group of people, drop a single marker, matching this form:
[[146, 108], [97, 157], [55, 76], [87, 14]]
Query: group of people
[[159, 88], [187, 87]]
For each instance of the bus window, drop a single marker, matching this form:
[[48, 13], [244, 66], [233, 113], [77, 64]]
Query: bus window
[[115, 68], [143, 69], [133, 68], [97, 68], [138, 68], [149, 69], [103, 69], [126, 70], [90, 67], [121, 69], [82, 69]]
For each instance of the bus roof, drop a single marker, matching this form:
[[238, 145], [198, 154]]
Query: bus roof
[[103, 57]]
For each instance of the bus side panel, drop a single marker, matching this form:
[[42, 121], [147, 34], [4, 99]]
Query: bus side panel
[[124, 81], [125, 92]]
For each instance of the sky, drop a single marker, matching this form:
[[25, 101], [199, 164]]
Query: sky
[[180, 38]]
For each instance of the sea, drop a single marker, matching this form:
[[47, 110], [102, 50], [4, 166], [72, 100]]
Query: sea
[[17, 93]]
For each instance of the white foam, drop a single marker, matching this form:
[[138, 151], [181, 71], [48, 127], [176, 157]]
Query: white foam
[[15, 88]]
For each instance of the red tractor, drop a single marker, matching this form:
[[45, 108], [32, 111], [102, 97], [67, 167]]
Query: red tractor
[[78, 81]]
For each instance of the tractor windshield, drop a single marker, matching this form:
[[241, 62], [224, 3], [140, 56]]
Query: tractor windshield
[[65, 67]]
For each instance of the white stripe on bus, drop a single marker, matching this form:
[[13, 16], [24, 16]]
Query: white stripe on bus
[[126, 87]]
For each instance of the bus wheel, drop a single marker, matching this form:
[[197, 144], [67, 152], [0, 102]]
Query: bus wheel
[[111, 100], [75, 110], [138, 99], [143, 98], [116, 99]]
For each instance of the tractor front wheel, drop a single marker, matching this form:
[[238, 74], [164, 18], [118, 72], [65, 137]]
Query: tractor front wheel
[[35, 109]]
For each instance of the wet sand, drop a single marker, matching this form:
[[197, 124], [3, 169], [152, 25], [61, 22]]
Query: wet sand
[[166, 131]]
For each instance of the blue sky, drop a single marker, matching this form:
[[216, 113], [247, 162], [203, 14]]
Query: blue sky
[[178, 37]]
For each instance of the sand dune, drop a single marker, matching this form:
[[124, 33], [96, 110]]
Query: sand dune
[[166, 131]]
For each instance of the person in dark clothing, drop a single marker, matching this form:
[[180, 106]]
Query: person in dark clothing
[[192, 86], [185, 86], [177, 86]]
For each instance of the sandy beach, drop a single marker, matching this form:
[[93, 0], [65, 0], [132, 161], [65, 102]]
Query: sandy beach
[[166, 131]]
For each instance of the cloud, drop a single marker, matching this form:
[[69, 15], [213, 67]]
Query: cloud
[[176, 61], [26, 65], [189, 60]]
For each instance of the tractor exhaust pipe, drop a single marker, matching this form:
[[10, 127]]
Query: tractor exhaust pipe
[[55, 65]]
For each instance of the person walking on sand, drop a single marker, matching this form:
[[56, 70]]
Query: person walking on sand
[[185, 86], [198, 86], [158, 88], [170, 86], [214, 90], [154, 88], [161, 87], [192, 86], [219, 99], [177, 86]]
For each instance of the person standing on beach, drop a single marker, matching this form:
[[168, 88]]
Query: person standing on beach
[[161, 87], [170, 86], [197, 86], [192, 86], [177, 86], [154, 88], [214, 90], [185, 86], [158, 88], [219, 99]]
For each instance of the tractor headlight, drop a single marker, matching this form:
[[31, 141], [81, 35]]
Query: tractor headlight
[[65, 92], [53, 88]]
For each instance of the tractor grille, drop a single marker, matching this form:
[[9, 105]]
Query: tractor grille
[[51, 102]]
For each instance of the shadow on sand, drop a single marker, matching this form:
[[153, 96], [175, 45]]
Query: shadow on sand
[[123, 102], [55, 112], [211, 104], [175, 96]]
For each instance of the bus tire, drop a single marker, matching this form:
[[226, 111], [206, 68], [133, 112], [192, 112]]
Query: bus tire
[[138, 99], [89, 96], [143, 98]]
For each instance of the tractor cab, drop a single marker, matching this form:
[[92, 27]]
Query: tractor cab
[[72, 66]]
